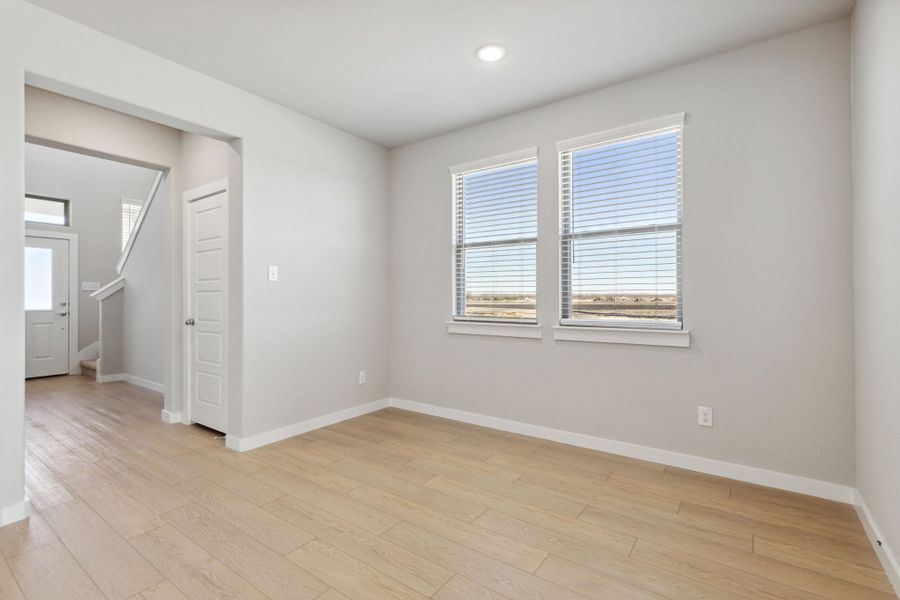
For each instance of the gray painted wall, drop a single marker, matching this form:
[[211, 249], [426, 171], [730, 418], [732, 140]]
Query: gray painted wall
[[320, 213], [876, 248], [767, 269], [112, 346], [95, 188], [144, 311], [203, 160]]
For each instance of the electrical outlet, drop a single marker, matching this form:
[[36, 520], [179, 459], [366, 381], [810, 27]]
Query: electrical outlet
[[362, 377], [704, 416], [273, 273]]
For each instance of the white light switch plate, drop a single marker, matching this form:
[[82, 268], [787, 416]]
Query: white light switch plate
[[362, 377], [273, 273]]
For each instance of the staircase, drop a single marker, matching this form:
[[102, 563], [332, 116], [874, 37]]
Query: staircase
[[89, 368], [110, 365]]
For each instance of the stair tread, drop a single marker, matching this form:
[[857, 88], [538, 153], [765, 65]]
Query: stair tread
[[89, 364]]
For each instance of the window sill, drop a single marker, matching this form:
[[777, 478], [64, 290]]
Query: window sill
[[518, 330], [612, 335]]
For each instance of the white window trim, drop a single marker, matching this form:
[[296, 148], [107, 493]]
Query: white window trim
[[496, 161], [67, 212], [678, 338], [569, 326], [474, 325], [517, 330], [611, 135]]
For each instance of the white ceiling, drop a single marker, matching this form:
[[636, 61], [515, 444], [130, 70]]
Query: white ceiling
[[397, 71]]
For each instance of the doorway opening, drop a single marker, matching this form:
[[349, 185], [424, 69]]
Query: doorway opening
[[126, 266], [82, 216]]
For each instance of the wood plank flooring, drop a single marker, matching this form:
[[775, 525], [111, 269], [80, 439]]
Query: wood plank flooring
[[399, 506]]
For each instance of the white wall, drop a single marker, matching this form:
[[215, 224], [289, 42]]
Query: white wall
[[767, 292], [876, 249], [314, 203], [95, 188]]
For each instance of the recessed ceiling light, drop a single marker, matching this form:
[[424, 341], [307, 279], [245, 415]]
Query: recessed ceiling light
[[491, 53]]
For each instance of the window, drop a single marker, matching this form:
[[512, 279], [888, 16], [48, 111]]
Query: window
[[131, 209], [50, 211], [38, 278], [620, 227], [495, 239]]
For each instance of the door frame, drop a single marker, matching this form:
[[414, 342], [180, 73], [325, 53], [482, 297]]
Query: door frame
[[188, 197], [72, 238]]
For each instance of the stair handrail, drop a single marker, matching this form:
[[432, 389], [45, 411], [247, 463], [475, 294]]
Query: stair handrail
[[120, 264], [109, 289]]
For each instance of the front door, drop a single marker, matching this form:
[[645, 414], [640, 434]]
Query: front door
[[207, 305], [46, 307]]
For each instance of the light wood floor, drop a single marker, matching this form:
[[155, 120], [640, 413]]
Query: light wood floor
[[395, 505]]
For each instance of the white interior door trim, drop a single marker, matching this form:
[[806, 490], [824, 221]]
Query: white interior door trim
[[74, 363], [192, 195]]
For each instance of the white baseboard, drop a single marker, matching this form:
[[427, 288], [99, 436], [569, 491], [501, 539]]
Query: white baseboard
[[764, 477], [144, 383], [16, 512], [171, 417], [774, 479], [134, 380], [109, 378], [885, 555], [283, 433]]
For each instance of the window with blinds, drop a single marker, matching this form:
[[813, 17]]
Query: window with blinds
[[495, 239], [620, 227], [131, 209]]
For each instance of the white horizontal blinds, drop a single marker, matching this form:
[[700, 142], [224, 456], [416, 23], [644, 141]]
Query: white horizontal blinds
[[495, 241], [621, 231], [130, 211]]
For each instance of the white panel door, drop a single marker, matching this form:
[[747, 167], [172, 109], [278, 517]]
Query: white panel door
[[207, 309], [46, 307]]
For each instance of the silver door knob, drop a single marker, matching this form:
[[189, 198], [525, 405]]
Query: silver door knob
[[189, 322]]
